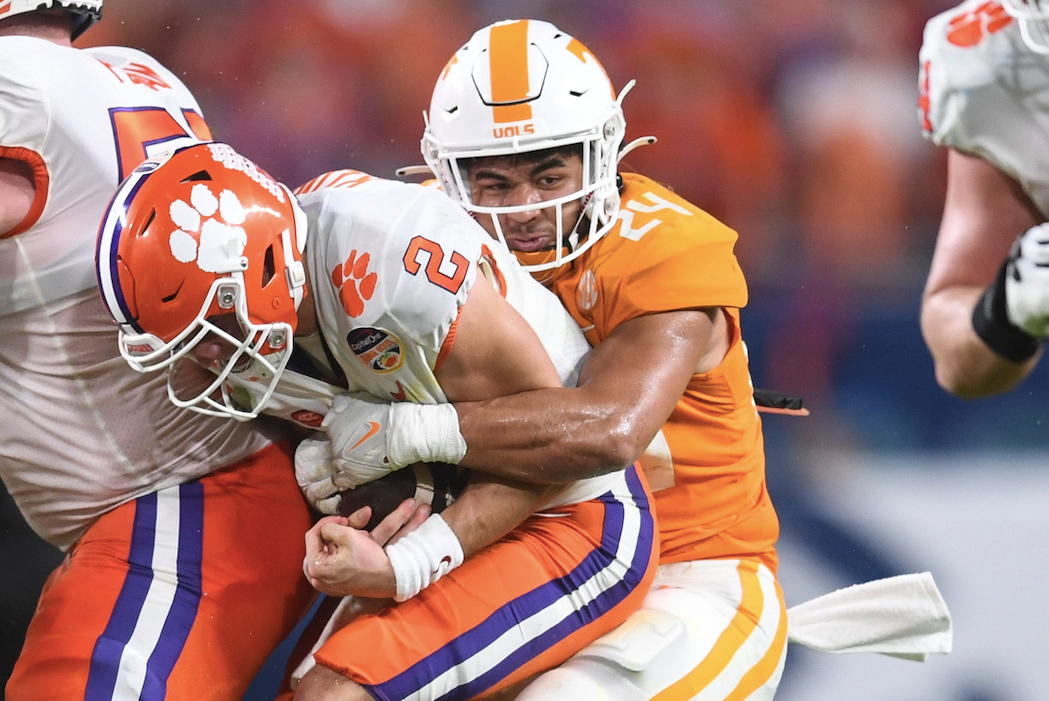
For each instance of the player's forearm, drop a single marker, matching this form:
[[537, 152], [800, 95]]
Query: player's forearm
[[965, 366], [489, 509], [549, 436]]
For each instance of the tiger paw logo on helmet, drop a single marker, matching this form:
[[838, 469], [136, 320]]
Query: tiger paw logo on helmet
[[209, 230], [354, 283]]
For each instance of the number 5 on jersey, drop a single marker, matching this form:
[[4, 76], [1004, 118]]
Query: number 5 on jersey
[[141, 132]]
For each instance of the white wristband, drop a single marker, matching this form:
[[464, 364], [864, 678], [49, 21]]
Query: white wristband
[[424, 433], [423, 556]]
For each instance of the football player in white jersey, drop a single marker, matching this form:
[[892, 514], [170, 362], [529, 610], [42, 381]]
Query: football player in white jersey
[[153, 505], [984, 82], [390, 289]]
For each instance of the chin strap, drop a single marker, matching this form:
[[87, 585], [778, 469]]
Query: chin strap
[[294, 269]]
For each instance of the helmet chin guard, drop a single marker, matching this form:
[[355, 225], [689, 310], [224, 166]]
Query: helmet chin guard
[[520, 86]]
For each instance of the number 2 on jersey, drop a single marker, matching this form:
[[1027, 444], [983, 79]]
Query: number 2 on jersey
[[435, 259], [139, 129]]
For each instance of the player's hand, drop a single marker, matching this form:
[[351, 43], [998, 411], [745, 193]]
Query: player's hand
[[318, 476], [1027, 282], [395, 526], [342, 560], [357, 425]]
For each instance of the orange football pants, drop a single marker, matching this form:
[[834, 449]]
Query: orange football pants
[[526, 603], [179, 594]]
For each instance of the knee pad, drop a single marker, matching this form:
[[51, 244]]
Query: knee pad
[[637, 641]]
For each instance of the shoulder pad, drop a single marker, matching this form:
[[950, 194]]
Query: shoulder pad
[[962, 52]]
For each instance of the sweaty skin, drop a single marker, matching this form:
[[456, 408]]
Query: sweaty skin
[[564, 434]]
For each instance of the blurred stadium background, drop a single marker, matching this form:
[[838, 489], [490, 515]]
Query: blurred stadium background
[[794, 121]]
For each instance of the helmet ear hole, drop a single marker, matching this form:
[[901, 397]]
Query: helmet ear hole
[[152, 216], [269, 268], [127, 281], [199, 176]]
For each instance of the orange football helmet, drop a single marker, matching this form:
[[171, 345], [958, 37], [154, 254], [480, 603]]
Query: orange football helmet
[[198, 233]]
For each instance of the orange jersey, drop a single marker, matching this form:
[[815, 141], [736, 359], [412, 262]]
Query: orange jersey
[[666, 254]]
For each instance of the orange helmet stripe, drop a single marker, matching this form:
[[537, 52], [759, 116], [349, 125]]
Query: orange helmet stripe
[[508, 57], [448, 66]]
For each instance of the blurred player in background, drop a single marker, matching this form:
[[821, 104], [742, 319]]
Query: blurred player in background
[[984, 75], [525, 132], [386, 288], [182, 531]]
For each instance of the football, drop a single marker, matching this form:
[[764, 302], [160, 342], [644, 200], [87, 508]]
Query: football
[[436, 484]]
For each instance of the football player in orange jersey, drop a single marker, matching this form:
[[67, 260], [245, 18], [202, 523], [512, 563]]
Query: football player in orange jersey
[[985, 312], [525, 131], [152, 505]]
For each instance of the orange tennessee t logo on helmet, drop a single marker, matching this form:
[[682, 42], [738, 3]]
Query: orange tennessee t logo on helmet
[[509, 72]]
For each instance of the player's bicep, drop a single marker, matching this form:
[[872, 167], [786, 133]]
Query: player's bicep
[[494, 351], [984, 211], [642, 368]]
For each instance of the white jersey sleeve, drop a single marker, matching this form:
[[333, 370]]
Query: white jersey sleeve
[[82, 432], [983, 92], [392, 264]]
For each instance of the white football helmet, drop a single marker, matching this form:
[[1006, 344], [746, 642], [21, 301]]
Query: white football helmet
[[519, 86], [1033, 16], [85, 12]]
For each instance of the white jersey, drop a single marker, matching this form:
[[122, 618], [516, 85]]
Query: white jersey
[[983, 92], [391, 264], [82, 432]]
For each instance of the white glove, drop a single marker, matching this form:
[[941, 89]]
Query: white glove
[[317, 475], [357, 425], [371, 438], [1027, 282]]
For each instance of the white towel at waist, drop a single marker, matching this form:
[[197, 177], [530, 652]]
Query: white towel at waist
[[902, 616]]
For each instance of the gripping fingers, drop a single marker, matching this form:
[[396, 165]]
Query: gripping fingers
[[417, 519], [397, 519], [359, 518], [316, 544], [317, 475], [323, 496]]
